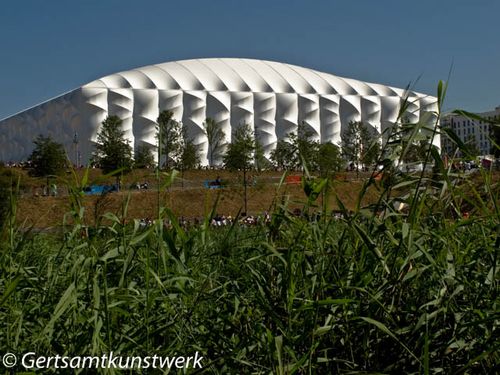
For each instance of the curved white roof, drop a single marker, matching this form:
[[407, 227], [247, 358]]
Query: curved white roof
[[231, 74], [271, 97]]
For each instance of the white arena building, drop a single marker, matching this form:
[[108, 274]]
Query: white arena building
[[272, 97]]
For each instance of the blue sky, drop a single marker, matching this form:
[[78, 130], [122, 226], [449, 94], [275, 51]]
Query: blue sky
[[51, 47]]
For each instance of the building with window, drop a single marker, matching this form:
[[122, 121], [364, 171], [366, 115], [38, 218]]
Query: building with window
[[470, 131]]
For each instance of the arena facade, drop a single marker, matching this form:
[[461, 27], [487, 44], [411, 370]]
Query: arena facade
[[272, 97]]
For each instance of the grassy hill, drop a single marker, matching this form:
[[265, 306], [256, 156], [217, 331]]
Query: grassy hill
[[186, 196]]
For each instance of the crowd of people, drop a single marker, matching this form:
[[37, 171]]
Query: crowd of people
[[250, 220], [464, 166], [219, 221], [21, 164], [46, 191], [216, 221], [138, 186]]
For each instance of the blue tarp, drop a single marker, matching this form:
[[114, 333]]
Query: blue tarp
[[99, 189], [212, 184]]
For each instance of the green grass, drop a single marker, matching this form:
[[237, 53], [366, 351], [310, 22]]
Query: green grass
[[378, 291]]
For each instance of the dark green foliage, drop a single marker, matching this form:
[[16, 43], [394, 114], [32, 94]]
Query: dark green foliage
[[374, 290], [6, 190], [307, 149], [360, 145], [240, 152], [143, 157], [189, 158], [113, 151], [416, 151], [299, 151], [365, 293], [4, 204], [48, 157], [216, 138], [371, 150], [260, 160], [240, 155], [353, 140], [329, 159], [169, 134], [283, 156]]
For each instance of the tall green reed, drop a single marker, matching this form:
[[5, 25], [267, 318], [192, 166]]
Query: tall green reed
[[376, 290]]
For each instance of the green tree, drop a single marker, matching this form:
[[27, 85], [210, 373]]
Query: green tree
[[143, 157], [416, 152], [283, 156], [260, 160], [329, 159], [371, 149], [359, 146], [301, 148], [113, 151], [48, 157], [189, 156], [169, 135], [307, 148], [216, 138], [240, 154]]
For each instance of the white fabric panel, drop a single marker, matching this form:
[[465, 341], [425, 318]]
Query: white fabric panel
[[145, 115], [287, 114], [138, 79], [370, 112], [160, 78], [265, 123], [338, 84], [330, 119], [95, 111], [171, 100], [309, 114], [361, 88], [184, 78], [412, 113], [121, 104], [248, 74], [204, 75], [382, 90], [232, 80], [428, 114], [241, 109], [350, 110], [274, 79], [389, 111], [270, 96], [295, 80], [115, 81], [219, 109], [315, 79], [194, 106]]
